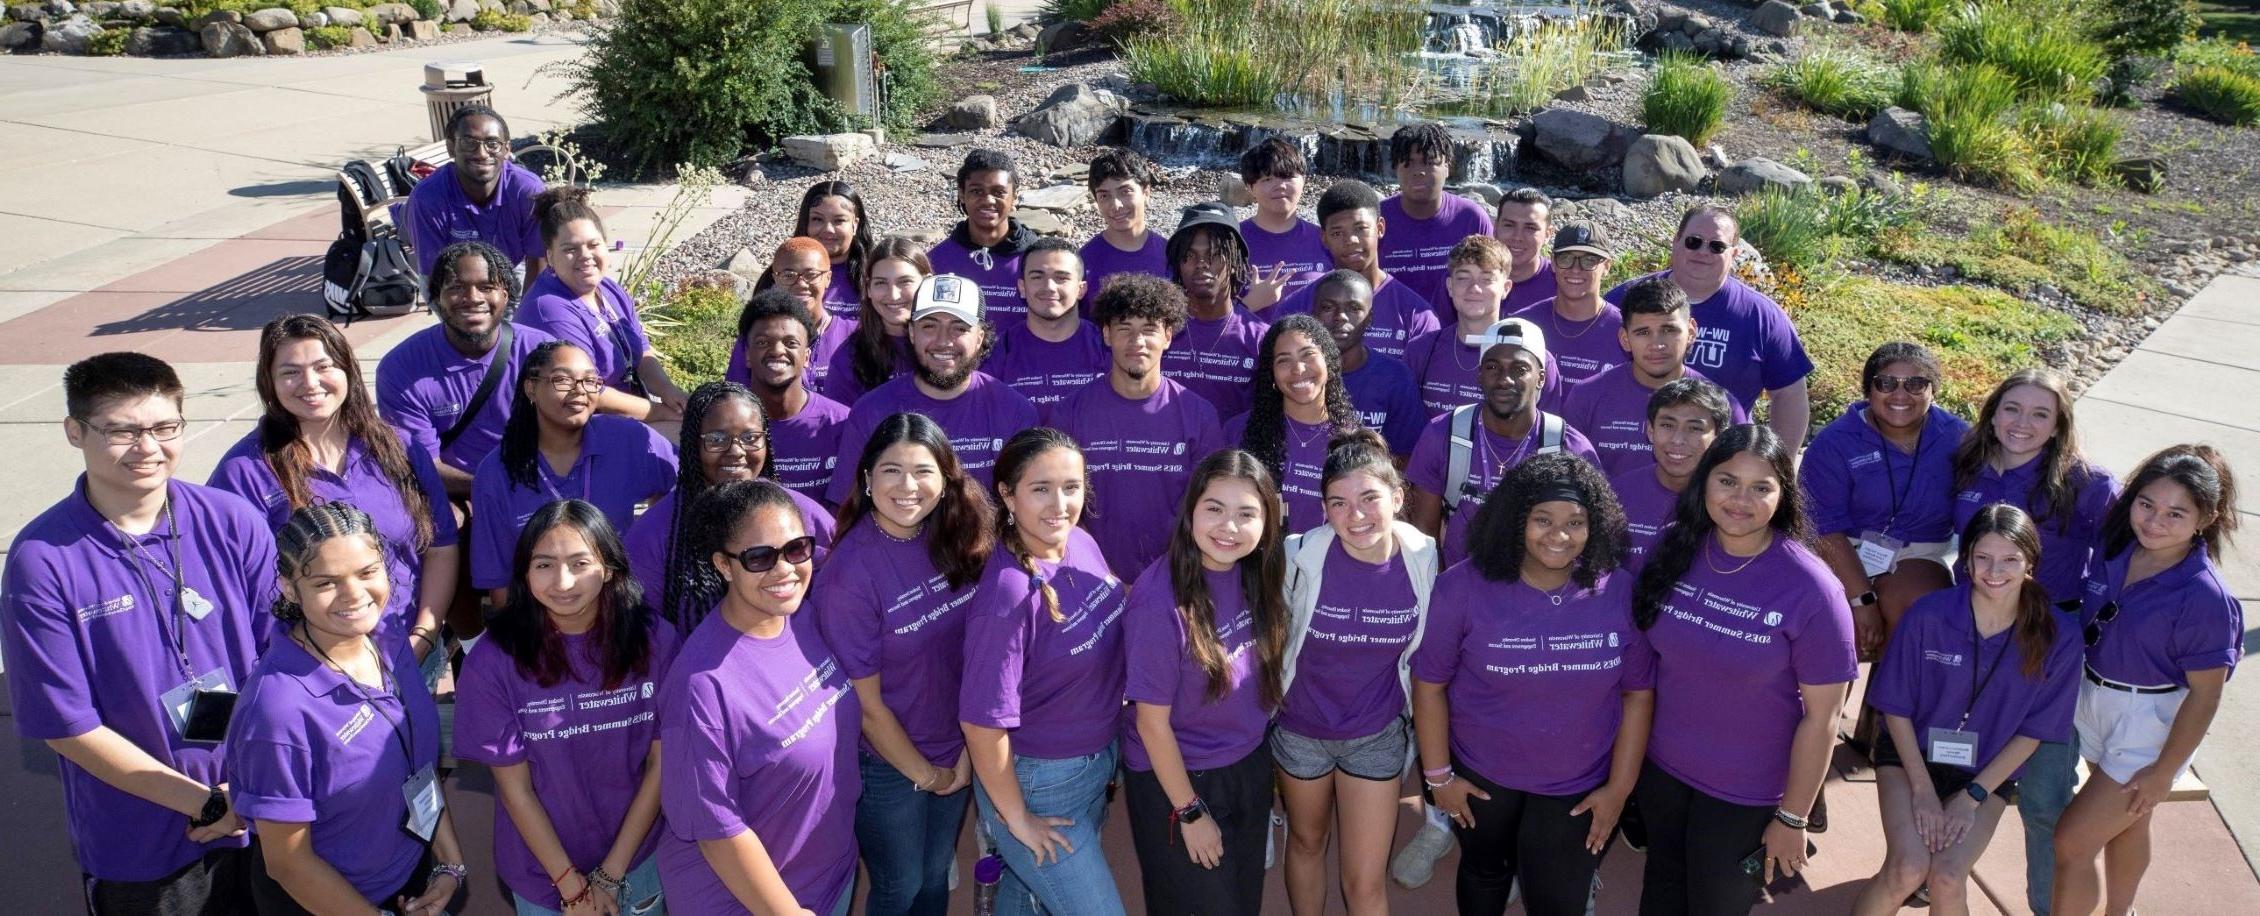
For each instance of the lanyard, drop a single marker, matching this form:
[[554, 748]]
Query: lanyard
[[1977, 648], [400, 733], [548, 479], [175, 636], [1912, 463]]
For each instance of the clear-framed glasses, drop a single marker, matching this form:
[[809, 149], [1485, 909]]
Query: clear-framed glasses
[[494, 146]]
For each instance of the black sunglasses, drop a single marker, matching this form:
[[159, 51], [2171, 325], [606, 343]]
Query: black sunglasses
[[1915, 384], [1698, 243], [2094, 632], [762, 558]]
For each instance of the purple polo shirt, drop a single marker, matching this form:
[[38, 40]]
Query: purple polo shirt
[[1578, 350], [997, 275], [1302, 466], [1399, 315], [2181, 620], [887, 612], [758, 734], [1648, 509], [2067, 545], [804, 449], [651, 539], [87, 643], [423, 385], [244, 471], [1417, 250], [1731, 649], [1387, 397], [1536, 689], [1216, 359], [622, 463], [440, 215], [308, 746], [982, 416], [1855, 480], [1936, 662], [1102, 260], [1211, 731], [822, 352], [1743, 340], [1450, 372], [1491, 457], [1538, 287], [1611, 409], [1056, 685], [840, 383], [614, 340], [844, 298], [1346, 686], [1302, 249], [584, 745], [1045, 372], [1139, 458]]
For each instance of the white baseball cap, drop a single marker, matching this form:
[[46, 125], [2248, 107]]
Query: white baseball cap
[[1512, 332], [948, 294]]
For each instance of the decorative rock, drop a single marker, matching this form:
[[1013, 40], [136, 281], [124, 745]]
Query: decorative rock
[[1849, 17], [389, 35], [167, 15], [270, 19], [830, 151], [229, 39], [1574, 94], [58, 9], [1775, 17], [390, 13], [360, 38], [1758, 174], [537, 19], [1061, 36], [1900, 132], [1606, 209], [18, 34], [460, 28], [162, 41], [218, 16], [746, 264], [285, 42], [1882, 184], [423, 30], [69, 36], [1820, 11], [314, 20], [541, 6], [1838, 185], [975, 112], [462, 10], [1041, 222], [99, 9], [1233, 191], [1484, 194], [1060, 198], [905, 162], [1658, 164], [1715, 156], [941, 141], [26, 12], [341, 16], [1074, 115], [2142, 173], [1577, 140]]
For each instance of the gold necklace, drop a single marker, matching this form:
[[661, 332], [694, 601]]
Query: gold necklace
[[1713, 564]]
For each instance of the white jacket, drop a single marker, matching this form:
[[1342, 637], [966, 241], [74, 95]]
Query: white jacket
[[1306, 571]]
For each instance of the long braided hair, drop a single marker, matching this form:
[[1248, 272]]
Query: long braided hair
[[680, 599], [1019, 451], [1263, 575], [1265, 435], [521, 436], [304, 534], [286, 451]]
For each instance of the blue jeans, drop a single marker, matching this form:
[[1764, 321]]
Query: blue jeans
[[1078, 883], [642, 897], [2043, 792], [908, 839]]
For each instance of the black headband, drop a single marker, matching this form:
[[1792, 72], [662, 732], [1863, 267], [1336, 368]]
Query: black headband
[[1561, 491]]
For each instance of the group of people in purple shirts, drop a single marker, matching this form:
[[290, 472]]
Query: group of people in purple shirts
[[1256, 517]]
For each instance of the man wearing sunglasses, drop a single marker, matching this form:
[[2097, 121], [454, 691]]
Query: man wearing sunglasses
[[478, 196], [1581, 329], [1744, 341]]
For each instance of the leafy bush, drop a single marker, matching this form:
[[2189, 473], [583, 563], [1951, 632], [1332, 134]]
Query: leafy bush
[[329, 36], [1130, 19], [693, 330], [1916, 15], [1788, 227], [1686, 98], [1074, 10], [1969, 111], [1835, 81], [2045, 54], [2074, 142], [2152, 28], [2218, 52], [428, 9], [2221, 94], [108, 42], [494, 20]]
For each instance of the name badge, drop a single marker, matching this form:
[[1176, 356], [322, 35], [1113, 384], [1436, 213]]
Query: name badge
[[1877, 550], [424, 805], [180, 701], [196, 606], [1953, 746]]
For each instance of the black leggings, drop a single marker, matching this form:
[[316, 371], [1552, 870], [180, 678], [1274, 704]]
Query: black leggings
[[1526, 836], [1239, 797], [1696, 845], [270, 898]]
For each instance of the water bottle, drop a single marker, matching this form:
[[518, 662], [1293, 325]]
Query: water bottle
[[986, 874]]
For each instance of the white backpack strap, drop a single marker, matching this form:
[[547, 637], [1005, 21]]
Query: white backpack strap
[[1462, 452], [1549, 433]]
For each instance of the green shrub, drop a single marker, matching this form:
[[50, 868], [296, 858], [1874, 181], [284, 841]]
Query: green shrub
[[2219, 52], [2074, 142], [993, 17], [1686, 98], [2150, 28], [1253, 53], [1074, 10], [2018, 251], [1788, 227], [329, 36], [1541, 62], [693, 330], [1835, 81], [1916, 15], [494, 20], [1969, 111], [2041, 49], [108, 42], [428, 9], [1978, 334], [2221, 94]]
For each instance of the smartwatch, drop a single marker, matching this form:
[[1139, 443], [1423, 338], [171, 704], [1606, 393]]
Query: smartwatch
[[1976, 792], [1866, 598], [215, 807], [1191, 813]]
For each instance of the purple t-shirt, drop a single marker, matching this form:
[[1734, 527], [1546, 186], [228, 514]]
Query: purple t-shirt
[[844, 298], [1216, 359], [244, 471], [584, 745], [1399, 315], [1450, 372], [840, 383], [1492, 456], [1536, 689], [1347, 685], [886, 611], [1648, 509], [978, 420], [308, 746], [424, 385], [823, 352], [1731, 649], [804, 449], [440, 215], [999, 280], [1302, 249], [622, 463], [1302, 466], [1743, 340], [1211, 732], [1139, 458], [88, 643], [615, 340], [1416, 251], [2181, 620], [1102, 260], [1056, 685], [1935, 662], [1538, 287], [758, 734], [1611, 409], [1387, 397], [1043, 371], [1855, 480], [2067, 545], [1578, 350], [650, 539]]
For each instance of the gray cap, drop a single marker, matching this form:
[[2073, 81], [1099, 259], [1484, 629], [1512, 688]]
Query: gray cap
[[1582, 236]]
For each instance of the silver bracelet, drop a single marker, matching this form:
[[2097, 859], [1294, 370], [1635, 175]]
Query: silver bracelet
[[1793, 820], [1433, 786]]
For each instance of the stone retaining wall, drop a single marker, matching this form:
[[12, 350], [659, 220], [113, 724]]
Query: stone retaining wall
[[173, 28]]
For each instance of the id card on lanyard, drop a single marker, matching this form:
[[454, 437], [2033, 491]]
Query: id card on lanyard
[[1957, 746], [1878, 549], [201, 705], [421, 789]]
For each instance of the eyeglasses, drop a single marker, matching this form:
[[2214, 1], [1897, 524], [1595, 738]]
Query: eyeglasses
[[1698, 243], [1580, 261], [762, 558], [2094, 632], [1915, 384], [590, 385], [491, 145], [129, 435], [718, 442], [799, 276]]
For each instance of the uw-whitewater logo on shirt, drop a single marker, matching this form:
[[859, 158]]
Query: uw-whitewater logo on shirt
[[647, 690], [1178, 449], [1862, 461], [117, 605], [1612, 639], [832, 463], [1709, 348], [1773, 618], [1953, 659], [361, 719], [1247, 362]]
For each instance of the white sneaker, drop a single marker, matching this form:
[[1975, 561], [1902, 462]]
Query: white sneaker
[[1416, 863]]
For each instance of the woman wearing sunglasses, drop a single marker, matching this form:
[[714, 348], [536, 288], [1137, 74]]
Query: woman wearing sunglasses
[[726, 438], [2163, 632], [757, 725], [556, 446]]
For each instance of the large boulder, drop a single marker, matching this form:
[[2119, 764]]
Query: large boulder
[[135, 9], [1775, 17], [70, 36], [162, 41], [1660, 163], [1576, 139], [1062, 36], [1757, 173], [342, 16], [975, 112], [360, 37], [463, 10], [1074, 115], [18, 35], [423, 30], [26, 12], [270, 19], [1901, 133], [230, 39], [285, 42], [830, 151], [384, 14]]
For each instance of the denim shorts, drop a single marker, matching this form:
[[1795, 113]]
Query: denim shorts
[[1379, 757]]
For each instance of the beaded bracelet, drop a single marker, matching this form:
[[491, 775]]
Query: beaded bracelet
[[604, 881]]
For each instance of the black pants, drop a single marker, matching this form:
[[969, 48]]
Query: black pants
[[1239, 797], [216, 885], [272, 899], [1696, 845], [1527, 836]]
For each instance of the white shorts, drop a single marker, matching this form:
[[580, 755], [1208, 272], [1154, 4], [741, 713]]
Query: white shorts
[[2121, 732], [1939, 552]]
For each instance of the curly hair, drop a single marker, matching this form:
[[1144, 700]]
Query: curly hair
[[1265, 435], [619, 637], [1263, 574], [1428, 139], [1692, 525], [304, 534], [500, 269], [1132, 296], [773, 303], [962, 520], [680, 584], [1345, 196], [521, 434], [285, 450], [1496, 543]]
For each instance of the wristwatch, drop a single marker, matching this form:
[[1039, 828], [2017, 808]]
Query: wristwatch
[[215, 807], [1976, 792], [1866, 598], [1192, 812]]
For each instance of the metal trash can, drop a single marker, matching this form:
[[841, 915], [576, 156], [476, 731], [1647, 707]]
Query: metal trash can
[[450, 85]]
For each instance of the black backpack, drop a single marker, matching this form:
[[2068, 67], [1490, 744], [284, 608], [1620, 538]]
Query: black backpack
[[371, 269]]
